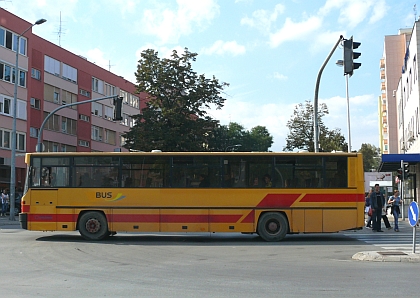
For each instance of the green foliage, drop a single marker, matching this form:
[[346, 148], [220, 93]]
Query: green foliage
[[301, 135], [371, 157], [224, 138], [175, 117]]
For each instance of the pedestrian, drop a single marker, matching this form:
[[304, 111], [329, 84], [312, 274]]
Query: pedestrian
[[4, 202], [377, 203], [395, 202], [367, 208], [385, 218]]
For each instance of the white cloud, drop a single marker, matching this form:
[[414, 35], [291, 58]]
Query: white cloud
[[279, 76], [169, 25], [163, 52], [263, 19], [220, 48], [295, 31], [97, 56], [353, 12]]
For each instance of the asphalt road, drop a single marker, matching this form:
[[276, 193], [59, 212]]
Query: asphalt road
[[54, 264]]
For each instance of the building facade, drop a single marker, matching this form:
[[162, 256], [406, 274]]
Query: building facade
[[49, 77], [390, 73]]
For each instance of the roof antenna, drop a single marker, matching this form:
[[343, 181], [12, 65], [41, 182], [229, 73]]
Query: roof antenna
[[415, 13]]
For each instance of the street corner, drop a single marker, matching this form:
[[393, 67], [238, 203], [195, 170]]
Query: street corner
[[387, 256]]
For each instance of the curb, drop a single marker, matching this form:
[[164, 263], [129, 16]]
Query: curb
[[387, 256]]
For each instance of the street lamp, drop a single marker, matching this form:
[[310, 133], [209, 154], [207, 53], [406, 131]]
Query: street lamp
[[13, 142], [232, 147], [341, 63]]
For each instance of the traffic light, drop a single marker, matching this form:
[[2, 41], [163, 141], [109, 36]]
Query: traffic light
[[350, 56], [406, 171], [400, 174], [118, 108]]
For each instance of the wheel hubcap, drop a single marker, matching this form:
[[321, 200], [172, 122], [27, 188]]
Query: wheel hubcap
[[273, 227], [93, 225]]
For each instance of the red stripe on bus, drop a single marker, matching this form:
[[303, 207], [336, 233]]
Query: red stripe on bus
[[225, 218], [134, 218], [250, 217], [278, 200], [332, 198]]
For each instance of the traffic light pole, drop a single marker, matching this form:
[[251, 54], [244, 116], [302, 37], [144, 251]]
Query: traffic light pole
[[402, 190], [318, 80], [348, 112], [41, 129]]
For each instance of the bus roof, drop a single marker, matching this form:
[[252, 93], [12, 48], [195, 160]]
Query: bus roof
[[189, 153]]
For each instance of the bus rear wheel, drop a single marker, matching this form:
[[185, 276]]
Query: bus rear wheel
[[272, 226], [93, 226]]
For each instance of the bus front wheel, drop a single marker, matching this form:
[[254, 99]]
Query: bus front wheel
[[93, 225], [272, 226]]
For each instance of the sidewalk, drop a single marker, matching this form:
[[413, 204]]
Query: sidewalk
[[393, 255], [5, 221]]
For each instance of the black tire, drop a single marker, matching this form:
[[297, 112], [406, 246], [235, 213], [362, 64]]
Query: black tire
[[272, 226], [93, 226]]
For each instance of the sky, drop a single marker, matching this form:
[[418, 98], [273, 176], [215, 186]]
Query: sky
[[270, 52]]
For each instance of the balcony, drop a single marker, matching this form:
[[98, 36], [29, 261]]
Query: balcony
[[382, 63]]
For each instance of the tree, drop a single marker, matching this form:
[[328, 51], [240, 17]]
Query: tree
[[371, 156], [227, 136], [175, 117], [301, 135]]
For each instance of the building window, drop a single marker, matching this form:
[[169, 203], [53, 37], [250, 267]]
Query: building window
[[69, 73], [5, 105], [96, 133], [36, 74], [22, 78], [109, 113], [97, 109], [69, 98], [84, 93], [110, 90], [35, 103], [68, 148], [52, 66], [51, 94], [33, 132], [110, 137], [9, 40], [83, 143], [5, 138], [52, 123], [51, 146], [7, 73], [98, 85], [84, 118], [68, 126]]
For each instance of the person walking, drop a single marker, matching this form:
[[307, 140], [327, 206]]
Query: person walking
[[377, 202], [4, 202], [395, 202], [367, 208]]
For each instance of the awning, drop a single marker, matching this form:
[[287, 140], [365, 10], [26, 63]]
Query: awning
[[392, 162]]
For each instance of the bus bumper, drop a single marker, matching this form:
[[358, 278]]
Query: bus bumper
[[23, 219]]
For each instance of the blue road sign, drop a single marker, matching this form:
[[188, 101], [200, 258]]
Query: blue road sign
[[413, 213]]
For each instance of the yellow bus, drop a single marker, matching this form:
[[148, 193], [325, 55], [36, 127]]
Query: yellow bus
[[271, 194]]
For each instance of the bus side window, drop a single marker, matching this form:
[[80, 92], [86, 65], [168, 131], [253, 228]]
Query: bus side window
[[45, 178]]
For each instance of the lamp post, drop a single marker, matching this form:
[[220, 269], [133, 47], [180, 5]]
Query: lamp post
[[13, 142], [341, 63]]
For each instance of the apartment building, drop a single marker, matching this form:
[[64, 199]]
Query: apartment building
[[49, 77], [390, 73]]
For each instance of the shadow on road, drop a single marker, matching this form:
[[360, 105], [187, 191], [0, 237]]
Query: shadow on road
[[209, 239]]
